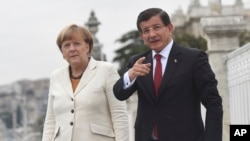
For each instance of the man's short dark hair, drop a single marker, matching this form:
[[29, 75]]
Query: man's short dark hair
[[150, 12]]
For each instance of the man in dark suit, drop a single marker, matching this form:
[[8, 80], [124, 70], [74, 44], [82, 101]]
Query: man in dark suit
[[170, 108]]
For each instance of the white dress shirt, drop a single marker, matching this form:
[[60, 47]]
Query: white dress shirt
[[164, 53]]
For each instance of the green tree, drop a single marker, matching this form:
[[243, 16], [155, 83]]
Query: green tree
[[131, 45], [244, 38], [190, 41]]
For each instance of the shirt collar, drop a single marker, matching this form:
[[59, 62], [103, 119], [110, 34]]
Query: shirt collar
[[165, 51]]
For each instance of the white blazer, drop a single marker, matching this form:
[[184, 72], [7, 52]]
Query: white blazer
[[91, 113]]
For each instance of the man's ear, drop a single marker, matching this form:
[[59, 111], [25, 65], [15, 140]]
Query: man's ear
[[140, 34], [170, 27]]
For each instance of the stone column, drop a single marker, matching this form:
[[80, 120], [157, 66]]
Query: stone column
[[92, 25], [222, 35]]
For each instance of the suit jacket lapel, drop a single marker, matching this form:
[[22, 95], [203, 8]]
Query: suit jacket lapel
[[64, 79], [148, 79], [88, 74], [173, 62]]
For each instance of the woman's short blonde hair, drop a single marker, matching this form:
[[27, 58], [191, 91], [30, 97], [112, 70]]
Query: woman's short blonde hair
[[69, 33]]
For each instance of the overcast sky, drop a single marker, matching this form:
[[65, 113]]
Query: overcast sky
[[28, 30]]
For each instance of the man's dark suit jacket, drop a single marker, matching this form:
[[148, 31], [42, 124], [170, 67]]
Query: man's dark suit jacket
[[188, 81]]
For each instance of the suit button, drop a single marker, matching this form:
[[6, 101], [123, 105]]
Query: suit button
[[72, 111], [71, 123], [72, 99]]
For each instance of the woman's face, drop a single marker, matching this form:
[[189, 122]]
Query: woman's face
[[75, 50]]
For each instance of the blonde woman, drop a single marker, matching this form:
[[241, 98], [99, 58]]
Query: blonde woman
[[81, 104]]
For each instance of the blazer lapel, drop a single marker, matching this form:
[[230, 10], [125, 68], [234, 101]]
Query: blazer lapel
[[88, 74], [64, 79], [173, 62]]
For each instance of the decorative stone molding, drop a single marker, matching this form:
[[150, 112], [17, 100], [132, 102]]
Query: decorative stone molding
[[222, 26], [222, 35], [238, 64]]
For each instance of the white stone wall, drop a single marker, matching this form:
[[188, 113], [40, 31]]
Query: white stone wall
[[238, 65]]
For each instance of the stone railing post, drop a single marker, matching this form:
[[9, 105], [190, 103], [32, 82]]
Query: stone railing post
[[222, 35]]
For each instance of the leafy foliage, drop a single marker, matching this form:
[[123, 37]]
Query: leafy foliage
[[244, 38], [191, 41], [132, 44]]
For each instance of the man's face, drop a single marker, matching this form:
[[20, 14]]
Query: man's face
[[155, 34]]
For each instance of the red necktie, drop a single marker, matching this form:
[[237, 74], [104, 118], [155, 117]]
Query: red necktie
[[158, 73], [157, 82]]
